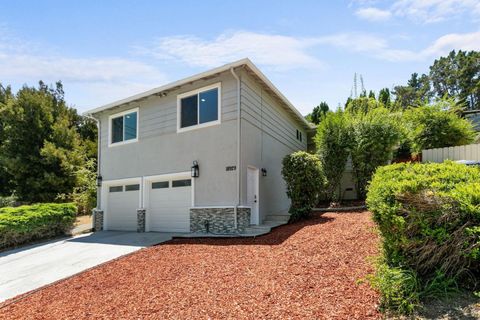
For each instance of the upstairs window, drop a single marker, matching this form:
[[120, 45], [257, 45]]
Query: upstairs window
[[124, 127], [199, 108]]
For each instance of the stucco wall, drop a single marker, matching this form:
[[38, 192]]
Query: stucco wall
[[268, 134], [161, 150]]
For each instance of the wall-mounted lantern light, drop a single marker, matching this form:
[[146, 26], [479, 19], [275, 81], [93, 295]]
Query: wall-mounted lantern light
[[99, 181], [195, 170], [264, 172]]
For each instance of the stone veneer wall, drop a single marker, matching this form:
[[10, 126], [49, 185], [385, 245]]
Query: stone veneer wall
[[98, 219], [220, 220], [141, 220]]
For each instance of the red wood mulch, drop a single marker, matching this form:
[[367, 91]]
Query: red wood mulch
[[307, 270]]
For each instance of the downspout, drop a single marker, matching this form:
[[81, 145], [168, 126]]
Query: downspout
[[235, 208], [97, 121]]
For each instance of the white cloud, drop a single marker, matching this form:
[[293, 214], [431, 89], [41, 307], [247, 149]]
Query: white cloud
[[101, 79], [25, 66], [278, 51], [378, 47], [373, 14], [284, 52], [422, 11], [457, 41], [428, 11]]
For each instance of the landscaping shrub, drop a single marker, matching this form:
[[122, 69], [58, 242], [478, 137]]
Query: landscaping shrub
[[429, 219], [437, 126], [399, 288], [304, 178], [26, 223], [375, 135], [333, 141]]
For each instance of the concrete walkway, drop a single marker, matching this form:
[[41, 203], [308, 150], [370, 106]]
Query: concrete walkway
[[31, 267]]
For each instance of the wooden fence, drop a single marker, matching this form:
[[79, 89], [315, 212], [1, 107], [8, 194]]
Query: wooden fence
[[466, 152]]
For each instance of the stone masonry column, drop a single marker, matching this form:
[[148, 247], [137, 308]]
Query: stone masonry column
[[141, 220], [97, 219]]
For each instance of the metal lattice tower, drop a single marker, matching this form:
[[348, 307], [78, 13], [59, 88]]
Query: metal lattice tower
[[354, 90]]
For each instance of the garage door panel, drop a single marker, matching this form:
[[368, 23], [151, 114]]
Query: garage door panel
[[122, 210], [169, 209]]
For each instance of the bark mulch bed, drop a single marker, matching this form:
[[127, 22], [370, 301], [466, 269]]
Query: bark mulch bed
[[307, 270]]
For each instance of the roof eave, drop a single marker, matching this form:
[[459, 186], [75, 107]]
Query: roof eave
[[200, 76]]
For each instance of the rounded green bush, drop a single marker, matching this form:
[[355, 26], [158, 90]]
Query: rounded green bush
[[303, 175], [428, 216]]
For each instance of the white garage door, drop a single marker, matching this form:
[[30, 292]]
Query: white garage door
[[122, 205], [169, 205]]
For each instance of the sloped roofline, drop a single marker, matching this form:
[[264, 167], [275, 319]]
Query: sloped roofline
[[206, 74]]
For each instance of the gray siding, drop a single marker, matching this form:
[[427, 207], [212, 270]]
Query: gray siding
[[268, 134], [161, 150]]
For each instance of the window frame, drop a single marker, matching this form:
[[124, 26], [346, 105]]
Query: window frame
[[197, 92], [110, 188], [110, 127], [134, 185]]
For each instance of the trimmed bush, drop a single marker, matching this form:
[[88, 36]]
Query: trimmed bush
[[304, 178], [429, 219], [333, 142], [27, 223]]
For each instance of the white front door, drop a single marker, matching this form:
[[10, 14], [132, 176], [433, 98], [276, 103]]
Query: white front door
[[252, 194]]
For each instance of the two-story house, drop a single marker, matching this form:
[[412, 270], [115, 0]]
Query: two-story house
[[199, 154]]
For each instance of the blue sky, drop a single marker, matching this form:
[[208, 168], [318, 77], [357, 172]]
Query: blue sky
[[107, 50]]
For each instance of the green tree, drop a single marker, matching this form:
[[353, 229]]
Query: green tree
[[318, 113], [371, 95], [458, 76], [87, 129], [6, 187], [333, 141], [362, 105], [416, 93], [384, 97], [375, 135], [41, 149], [437, 126]]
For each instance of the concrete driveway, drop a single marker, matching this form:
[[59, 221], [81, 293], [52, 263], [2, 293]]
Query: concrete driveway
[[29, 268]]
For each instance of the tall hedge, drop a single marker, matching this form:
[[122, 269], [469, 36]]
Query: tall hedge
[[333, 141], [375, 135], [27, 223], [429, 219], [303, 175]]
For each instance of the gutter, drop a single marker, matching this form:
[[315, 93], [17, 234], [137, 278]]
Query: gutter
[[235, 208], [97, 121]]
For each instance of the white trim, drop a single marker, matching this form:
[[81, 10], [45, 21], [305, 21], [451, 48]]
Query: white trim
[[168, 175], [116, 115], [218, 86], [147, 180], [106, 184]]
